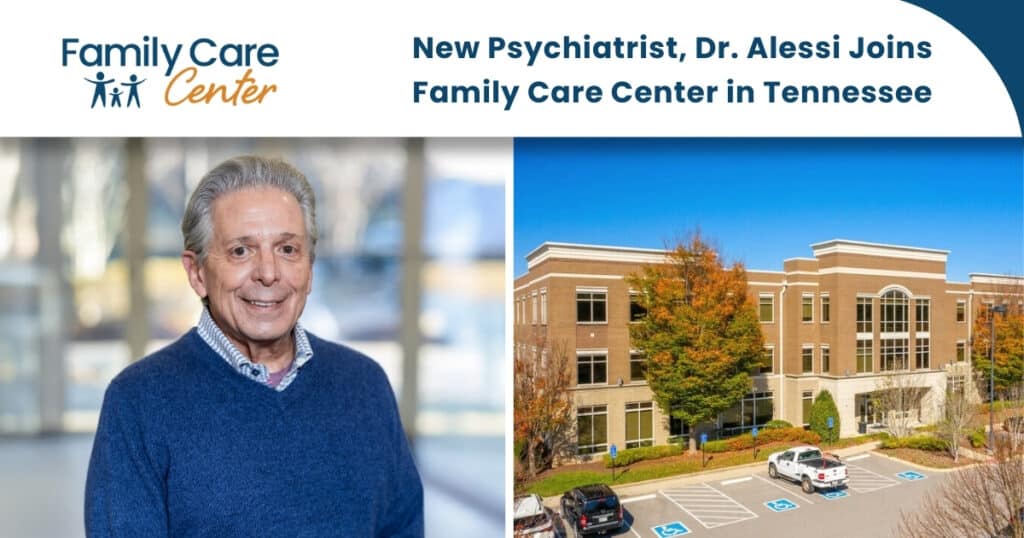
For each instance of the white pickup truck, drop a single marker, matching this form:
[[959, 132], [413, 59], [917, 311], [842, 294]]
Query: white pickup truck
[[808, 466]]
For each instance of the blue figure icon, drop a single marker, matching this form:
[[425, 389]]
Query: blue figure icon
[[101, 89], [115, 97], [133, 90]]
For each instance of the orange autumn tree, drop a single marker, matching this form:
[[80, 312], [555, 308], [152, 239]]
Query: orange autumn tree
[[1009, 351], [542, 409], [701, 334]]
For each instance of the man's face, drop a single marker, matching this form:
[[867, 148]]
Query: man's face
[[257, 272]]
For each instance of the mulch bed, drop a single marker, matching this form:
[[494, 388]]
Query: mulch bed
[[940, 460]]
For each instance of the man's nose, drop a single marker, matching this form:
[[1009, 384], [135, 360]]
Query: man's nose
[[266, 267]]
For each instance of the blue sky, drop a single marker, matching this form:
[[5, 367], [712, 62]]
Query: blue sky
[[765, 200]]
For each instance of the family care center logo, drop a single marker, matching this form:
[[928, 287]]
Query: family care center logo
[[120, 75]]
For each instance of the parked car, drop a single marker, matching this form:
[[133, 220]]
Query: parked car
[[808, 466], [531, 518], [592, 509]]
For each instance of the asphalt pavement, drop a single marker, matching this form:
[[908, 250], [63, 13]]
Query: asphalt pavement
[[743, 501]]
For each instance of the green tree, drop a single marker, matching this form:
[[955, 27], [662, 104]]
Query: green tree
[[1009, 352], [701, 334], [824, 406]]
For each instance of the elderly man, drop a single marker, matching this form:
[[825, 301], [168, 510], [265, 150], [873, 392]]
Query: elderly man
[[248, 425]]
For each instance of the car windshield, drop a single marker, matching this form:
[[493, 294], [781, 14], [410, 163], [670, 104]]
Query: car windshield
[[604, 503], [527, 507]]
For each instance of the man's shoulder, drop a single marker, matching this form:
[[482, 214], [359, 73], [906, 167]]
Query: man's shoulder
[[344, 358], [157, 367]]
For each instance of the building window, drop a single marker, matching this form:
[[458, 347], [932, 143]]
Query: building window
[[807, 358], [592, 425], [961, 311], [961, 351], [591, 369], [923, 323], [637, 366], [894, 312], [956, 383], [591, 307], [923, 360], [893, 354], [755, 409], [766, 308], [864, 353], [807, 308], [544, 307], [534, 316], [767, 364], [864, 315], [826, 360], [639, 424], [826, 313], [677, 429], [637, 311], [807, 399]]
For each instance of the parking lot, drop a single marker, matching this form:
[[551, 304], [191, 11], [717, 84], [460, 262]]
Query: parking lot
[[755, 505]]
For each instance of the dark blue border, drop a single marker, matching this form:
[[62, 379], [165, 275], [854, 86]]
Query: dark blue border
[[994, 26]]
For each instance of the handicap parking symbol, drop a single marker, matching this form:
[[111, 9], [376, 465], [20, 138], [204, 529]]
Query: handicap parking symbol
[[831, 495], [781, 505], [675, 528], [910, 475]]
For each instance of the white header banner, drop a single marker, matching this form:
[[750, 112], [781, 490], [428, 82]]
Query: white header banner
[[469, 68]]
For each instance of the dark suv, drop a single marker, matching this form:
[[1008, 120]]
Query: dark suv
[[591, 509]]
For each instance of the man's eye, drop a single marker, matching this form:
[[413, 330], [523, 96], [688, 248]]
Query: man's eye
[[238, 251], [289, 249]]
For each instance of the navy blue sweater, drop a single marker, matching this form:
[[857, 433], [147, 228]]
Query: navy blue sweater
[[188, 447]]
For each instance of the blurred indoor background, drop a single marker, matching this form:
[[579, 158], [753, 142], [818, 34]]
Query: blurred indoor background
[[409, 269]]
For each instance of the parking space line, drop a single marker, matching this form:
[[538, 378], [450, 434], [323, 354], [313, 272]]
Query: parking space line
[[641, 498], [736, 481], [858, 458], [709, 506], [859, 475], [770, 483]]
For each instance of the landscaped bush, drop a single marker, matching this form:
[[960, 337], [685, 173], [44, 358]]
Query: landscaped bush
[[920, 442], [823, 408], [632, 455], [1000, 405], [746, 440], [742, 442], [717, 446], [798, 435], [777, 425], [977, 437]]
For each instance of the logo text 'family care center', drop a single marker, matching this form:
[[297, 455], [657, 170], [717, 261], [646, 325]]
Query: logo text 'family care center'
[[184, 84]]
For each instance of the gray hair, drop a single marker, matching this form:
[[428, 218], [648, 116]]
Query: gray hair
[[245, 172]]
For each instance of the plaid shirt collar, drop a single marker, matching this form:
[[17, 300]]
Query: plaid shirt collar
[[215, 338]]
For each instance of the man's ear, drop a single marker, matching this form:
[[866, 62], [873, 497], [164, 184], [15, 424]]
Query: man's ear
[[196, 276]]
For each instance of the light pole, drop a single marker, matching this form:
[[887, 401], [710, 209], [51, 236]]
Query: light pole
[[995, 309]]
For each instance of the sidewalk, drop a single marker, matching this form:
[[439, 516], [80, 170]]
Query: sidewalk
[[635, 489]]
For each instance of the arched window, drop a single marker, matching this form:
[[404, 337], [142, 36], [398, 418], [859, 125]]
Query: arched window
[[895, 318], [895, 324]]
